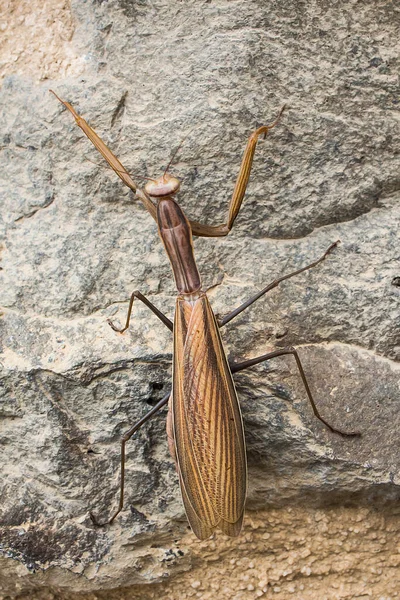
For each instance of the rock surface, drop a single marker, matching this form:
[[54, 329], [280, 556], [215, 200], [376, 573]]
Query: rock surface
[[74, 245]]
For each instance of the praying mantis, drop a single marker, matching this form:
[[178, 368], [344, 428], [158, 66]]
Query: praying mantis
[[204, 423]]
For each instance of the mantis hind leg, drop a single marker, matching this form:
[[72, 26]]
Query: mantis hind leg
[[236, 367], [127, 436]]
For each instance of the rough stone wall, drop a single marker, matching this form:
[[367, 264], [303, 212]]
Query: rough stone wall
[[322, 518]]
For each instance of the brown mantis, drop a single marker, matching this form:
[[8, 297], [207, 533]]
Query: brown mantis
[[204, 423]]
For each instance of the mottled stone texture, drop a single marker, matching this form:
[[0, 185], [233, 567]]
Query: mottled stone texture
[[74, 244]]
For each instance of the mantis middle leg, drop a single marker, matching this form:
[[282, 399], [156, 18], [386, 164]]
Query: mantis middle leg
[[224, 320], [167, 322]]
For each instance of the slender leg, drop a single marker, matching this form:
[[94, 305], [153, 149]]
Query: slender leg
[[255, 361], [240, 186], [110, 157], [197, 228], [151, 306], [127, 436], [224, 320]]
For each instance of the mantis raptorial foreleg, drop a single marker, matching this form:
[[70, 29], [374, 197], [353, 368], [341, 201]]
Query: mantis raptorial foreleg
[[197, 228], [240, 186], [236, 367], [110, 157]]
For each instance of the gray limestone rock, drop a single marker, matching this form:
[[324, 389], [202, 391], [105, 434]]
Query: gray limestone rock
[[75, 244]]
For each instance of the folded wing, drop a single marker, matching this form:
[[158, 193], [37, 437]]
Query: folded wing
[[207, 424]]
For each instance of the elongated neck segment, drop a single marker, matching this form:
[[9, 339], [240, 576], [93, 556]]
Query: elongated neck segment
[[176, 235]]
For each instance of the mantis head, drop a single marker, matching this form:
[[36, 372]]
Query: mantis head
[[166, 185]]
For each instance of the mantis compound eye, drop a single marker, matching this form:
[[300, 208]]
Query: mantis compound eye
[[166, 185]]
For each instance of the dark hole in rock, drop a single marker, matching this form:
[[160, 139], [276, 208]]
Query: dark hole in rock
[[396, 281], [155, 396]]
